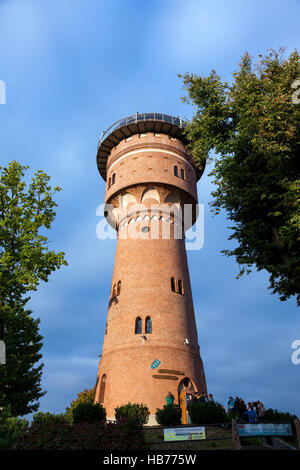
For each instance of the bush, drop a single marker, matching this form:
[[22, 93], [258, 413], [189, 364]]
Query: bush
[[10, 428], [48, 418], [209, 412], [236, 415], [169, 415], [86, 396], [89, 413], [134, 411], [125, 435], [275, 416]]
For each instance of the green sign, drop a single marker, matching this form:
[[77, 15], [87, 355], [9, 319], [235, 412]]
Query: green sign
[[184, 434], [265, 429]]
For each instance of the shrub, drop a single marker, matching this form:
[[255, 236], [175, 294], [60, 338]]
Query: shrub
[[169, 415], [134, 411], [86, 396], [236, 415], [125, 435], [275, 416], [89, 413], [209, 412], [48, 418], [10, 428]]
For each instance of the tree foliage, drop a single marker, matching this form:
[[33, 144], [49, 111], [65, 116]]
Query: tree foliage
[[46, 418], [134, 411], [169, 415], [10, 428], [25, 212], [209, 412], [88, 413], [86, 396], [20, 378], [252, 124]]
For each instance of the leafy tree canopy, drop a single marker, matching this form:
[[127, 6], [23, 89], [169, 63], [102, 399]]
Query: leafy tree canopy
[[25, 212], [20, 378], [86, 396], [252, 126]]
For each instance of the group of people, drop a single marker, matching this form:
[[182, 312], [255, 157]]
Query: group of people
[[191, 396], [252, 413]]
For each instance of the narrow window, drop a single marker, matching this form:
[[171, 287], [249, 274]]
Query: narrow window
[[173, 284], [175, 170], [114, 291], [180, 288], [102, 388], [109, 183], [113, 178], [148, 325], [119, 288], [138, 326], [182, 173]]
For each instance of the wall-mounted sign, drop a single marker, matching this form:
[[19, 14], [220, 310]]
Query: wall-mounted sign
[[265, 429], [155, 364], [160, 376], [184, 434], [168, 371]]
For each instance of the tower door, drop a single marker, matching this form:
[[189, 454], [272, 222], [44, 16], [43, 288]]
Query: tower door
[[183, 397]]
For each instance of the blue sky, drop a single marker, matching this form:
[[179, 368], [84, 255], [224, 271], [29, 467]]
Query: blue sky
[[71, 69]]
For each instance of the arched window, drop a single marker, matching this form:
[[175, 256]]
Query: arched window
[[180, 287], [175, 170], [138, 326], [148, 325], [102, 388], [109, 183], [173, 287], [119, 288], [113, 178], [182, 173], [114, 291]]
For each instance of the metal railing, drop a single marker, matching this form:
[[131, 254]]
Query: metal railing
[[136, 118]]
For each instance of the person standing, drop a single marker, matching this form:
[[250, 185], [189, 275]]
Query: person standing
[[230, 405], [261, 410], [189, 393], [170, 399], [251, 414]]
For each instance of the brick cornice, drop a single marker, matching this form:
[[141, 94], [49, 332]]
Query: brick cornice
[[136, 146]]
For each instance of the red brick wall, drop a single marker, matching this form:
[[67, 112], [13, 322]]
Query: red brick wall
[[145, 268]]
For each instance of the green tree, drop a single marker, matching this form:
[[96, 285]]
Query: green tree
[[20, 379], [10, 428], [86, 396], [252, 126], [26, 212]]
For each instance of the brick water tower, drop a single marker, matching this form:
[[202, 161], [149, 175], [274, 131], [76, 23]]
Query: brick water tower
[[150, 342]]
